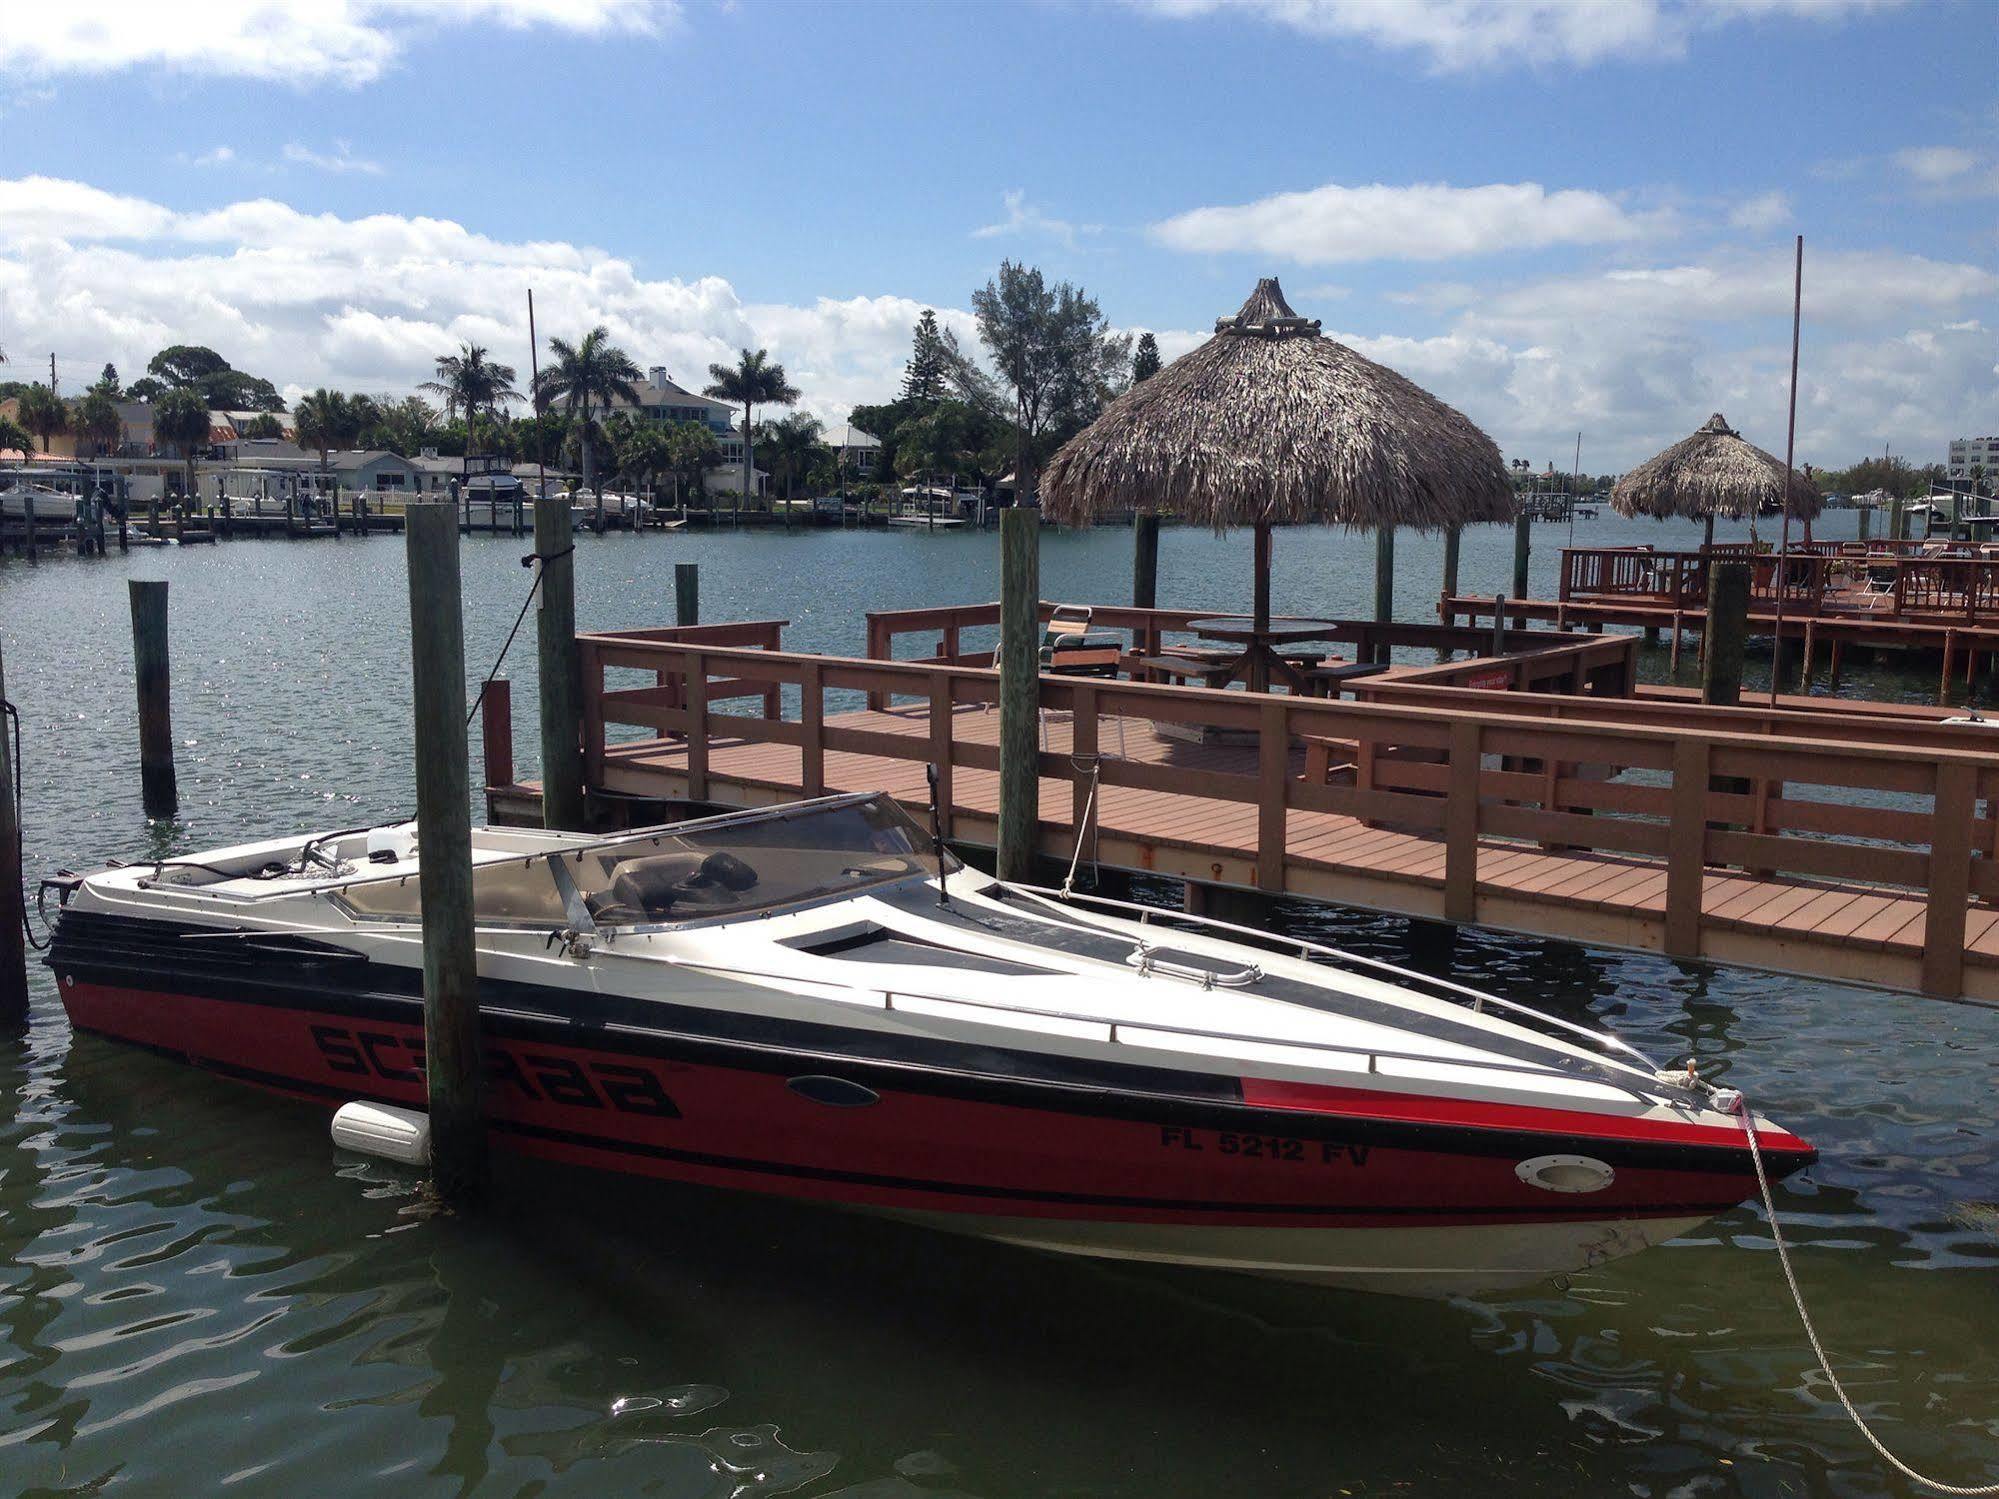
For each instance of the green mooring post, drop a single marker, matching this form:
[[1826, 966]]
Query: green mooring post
[[1384, 583], [157, 789], [1728, 630], [1866, 521], [561, 671], [1896, 529], [1523, 525], [1145, 560], [451, 1066], [686, 593], [1020, 691], [13, 904]]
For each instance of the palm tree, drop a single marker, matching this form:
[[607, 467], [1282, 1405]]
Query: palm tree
[[97, 420], [43, 413], [180, 421], [324, 420], [794, 440], [591, 373], [13, 437], [470, 382], [752, 382]]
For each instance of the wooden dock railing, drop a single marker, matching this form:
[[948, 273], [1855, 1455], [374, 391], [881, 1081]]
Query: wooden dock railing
[[1899, 817], [1829, 578]]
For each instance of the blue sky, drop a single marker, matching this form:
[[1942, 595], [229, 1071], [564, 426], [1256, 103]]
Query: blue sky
[[1558, 215]]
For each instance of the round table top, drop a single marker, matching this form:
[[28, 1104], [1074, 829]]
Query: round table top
[[1243, 627]]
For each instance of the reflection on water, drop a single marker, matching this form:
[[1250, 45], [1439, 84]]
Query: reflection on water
[[198, 1294]]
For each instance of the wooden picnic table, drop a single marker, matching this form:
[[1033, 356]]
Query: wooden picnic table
[[1260, 662]]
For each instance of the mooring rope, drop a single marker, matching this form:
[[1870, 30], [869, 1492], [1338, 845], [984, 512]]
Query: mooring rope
[[1812, 1336], [1089, 813], [527, 603]]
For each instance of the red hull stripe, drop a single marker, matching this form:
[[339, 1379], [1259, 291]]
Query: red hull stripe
[[731, 1127], [1367, 1103]]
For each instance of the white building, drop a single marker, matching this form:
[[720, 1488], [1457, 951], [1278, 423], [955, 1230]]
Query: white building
[[1967, 453], [663, 400], [856, 450]]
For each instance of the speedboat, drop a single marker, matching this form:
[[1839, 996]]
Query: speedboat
[[26, 494], [815, 1000]]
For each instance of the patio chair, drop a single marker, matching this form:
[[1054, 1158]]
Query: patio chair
[[1069, 647]]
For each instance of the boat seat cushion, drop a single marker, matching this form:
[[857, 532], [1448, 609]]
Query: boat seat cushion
[[657, 883]]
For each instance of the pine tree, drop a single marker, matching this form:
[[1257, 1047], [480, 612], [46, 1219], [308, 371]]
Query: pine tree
[[923, 381], [1145, 359]]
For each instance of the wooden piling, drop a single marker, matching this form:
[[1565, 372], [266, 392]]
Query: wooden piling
[[1523, 525], [1679, 623], [1866, 521], [13, 903], [1020, 691], [561, 670], [452, 1070], [157, 787], [686, 593], [1498, 624], [1145, 560], [1384, 581], [1452, 536], [1726, 633]]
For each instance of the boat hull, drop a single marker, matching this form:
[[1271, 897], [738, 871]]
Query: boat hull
[[1100, 1163]]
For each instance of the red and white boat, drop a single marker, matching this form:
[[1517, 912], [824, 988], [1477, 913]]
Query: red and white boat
[[800, 1000]]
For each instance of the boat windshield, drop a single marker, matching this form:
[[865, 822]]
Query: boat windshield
[[735, 866]]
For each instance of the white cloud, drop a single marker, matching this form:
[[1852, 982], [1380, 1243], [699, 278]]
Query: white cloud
[[1762, 213], [292, 41], [219, 156], [368, 303], [1843, 287], [1023, 217], [1424, 221], [1464, 34], [1933, 164], [340, 159], [1894, 345]]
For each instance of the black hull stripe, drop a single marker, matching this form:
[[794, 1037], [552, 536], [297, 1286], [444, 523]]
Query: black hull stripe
[[884, 1061], [581, 1139]]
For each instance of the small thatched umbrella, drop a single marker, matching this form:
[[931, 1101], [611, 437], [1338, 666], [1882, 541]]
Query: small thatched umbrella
[[1714, 472], [1268, 423]]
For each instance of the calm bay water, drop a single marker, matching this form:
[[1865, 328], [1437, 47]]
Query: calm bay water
[[198, 1294]]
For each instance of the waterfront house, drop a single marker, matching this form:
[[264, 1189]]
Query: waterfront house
[[856, 452]]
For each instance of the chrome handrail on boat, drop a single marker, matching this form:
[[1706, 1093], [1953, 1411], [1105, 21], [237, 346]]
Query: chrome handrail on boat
[[1373, 1054], [1479, 998]]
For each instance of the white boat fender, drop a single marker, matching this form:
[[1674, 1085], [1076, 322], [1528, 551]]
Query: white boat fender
[[380, 1129]]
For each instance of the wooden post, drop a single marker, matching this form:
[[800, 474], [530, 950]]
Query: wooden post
[[452, 1070], [1725, 634], [1384, 581], [1499, 624], [1452, 536], [1145, 560], [13, 903], [1895, 519], [496, 731], [1461, 824], [156, 719], [1679, 622], [1522, 527], [686, 594], [561, 677], [1020, 691], [1866, 521]]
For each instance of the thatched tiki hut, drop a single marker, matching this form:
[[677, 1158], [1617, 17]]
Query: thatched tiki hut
[[1268, 424], [1714, 472]]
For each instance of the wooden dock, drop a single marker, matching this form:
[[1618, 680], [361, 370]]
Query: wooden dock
[[1859, 851]]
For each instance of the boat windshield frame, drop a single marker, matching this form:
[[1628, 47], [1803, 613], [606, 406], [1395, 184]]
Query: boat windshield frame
[[671, 893]]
